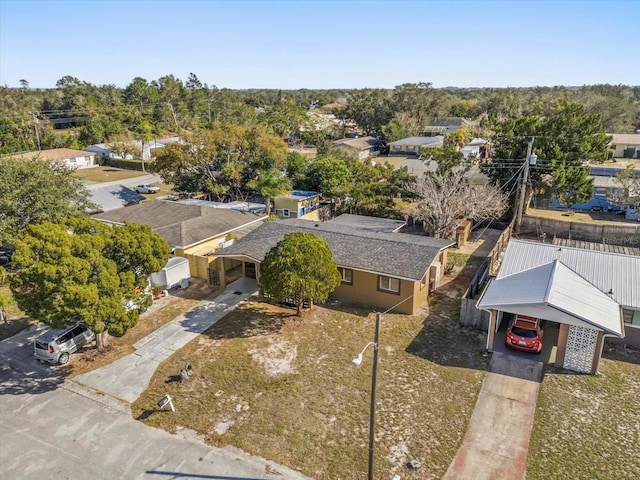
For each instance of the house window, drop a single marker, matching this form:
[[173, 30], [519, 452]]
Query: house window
[[347, 275], [285, 212], [388, 284]]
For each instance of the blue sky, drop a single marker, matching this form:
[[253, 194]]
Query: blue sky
[[322, 44]]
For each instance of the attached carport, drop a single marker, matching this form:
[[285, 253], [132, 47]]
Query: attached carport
[[553, 292]]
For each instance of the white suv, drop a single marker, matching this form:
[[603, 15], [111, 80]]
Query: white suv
[[55, 346]]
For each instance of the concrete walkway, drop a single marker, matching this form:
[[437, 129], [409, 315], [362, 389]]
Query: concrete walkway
[[497, 439], [128, 377]]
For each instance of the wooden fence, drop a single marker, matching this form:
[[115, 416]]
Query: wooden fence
[[470, 316]]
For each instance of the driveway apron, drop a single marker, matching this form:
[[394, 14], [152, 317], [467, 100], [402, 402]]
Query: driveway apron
[[129, 376], [497, 438]]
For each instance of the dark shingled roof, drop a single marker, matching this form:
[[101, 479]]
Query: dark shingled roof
[[181, 225], [393, 254]]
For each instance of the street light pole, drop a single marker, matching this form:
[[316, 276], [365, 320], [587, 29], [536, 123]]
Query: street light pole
[[372, 410], [372, 413], [523, 187]]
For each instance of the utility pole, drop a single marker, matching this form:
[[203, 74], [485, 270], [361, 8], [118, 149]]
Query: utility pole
[[523, 187], [35, 127]]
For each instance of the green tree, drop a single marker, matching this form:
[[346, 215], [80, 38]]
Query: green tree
[[572, 184], [33, 191], [370, 108], [568, 137], [270, 184], [300, 267], [83, 270], [447, 158], [297, 165], [331, 177], [221, 161], [374, 188], [421, 101]]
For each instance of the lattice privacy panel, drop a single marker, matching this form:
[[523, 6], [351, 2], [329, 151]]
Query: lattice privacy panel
[[581, 346]]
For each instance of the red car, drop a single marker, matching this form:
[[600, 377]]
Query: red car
[[525, 333]]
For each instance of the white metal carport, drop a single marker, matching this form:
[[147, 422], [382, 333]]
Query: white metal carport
[[556, 293]]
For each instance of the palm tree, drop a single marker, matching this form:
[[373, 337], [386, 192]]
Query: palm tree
[[270, 184]]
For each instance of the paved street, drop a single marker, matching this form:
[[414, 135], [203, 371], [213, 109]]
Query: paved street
[[128, 182], [51, 428]]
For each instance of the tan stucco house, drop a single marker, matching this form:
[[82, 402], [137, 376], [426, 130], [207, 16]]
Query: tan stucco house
[[194, 232], [379, 268], [590, 294]]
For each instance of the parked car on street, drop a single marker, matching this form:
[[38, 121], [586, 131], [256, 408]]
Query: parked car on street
[[525, 334], [55, 346], [147, 189]]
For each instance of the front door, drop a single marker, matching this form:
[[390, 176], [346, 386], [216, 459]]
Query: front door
[[249, 270]]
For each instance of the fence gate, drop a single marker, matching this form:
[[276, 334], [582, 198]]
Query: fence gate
[[581, 347]]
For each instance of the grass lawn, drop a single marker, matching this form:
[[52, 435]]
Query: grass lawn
[[285, 388], [588, 427], [106, 174]]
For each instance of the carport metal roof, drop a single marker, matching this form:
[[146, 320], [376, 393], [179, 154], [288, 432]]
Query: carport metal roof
[[554, 292]]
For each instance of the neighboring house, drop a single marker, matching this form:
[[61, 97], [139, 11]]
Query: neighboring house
[[625, 145], [606, 192], [67, 156], [194, 232], [113, 197], [360, 148], [297, 204], [443, 125], [382, 269], [107, 149], [237, 205], [414, 145], [477, 148], [590, 294]]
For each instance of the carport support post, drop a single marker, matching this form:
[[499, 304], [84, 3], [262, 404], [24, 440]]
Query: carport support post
[[493, 316]]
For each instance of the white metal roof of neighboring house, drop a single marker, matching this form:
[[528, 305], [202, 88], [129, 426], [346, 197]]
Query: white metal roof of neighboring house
[[607, 271], [554, 292], [625, 138], [361, 143], [422, 141]]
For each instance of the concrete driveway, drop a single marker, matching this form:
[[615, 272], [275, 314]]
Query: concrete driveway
[[497, 439], [129, 376]]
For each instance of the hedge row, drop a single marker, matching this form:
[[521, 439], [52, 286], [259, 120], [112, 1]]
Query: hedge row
[[125, 164]]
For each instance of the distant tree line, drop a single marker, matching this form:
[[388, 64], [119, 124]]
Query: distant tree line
[[76, 114]]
